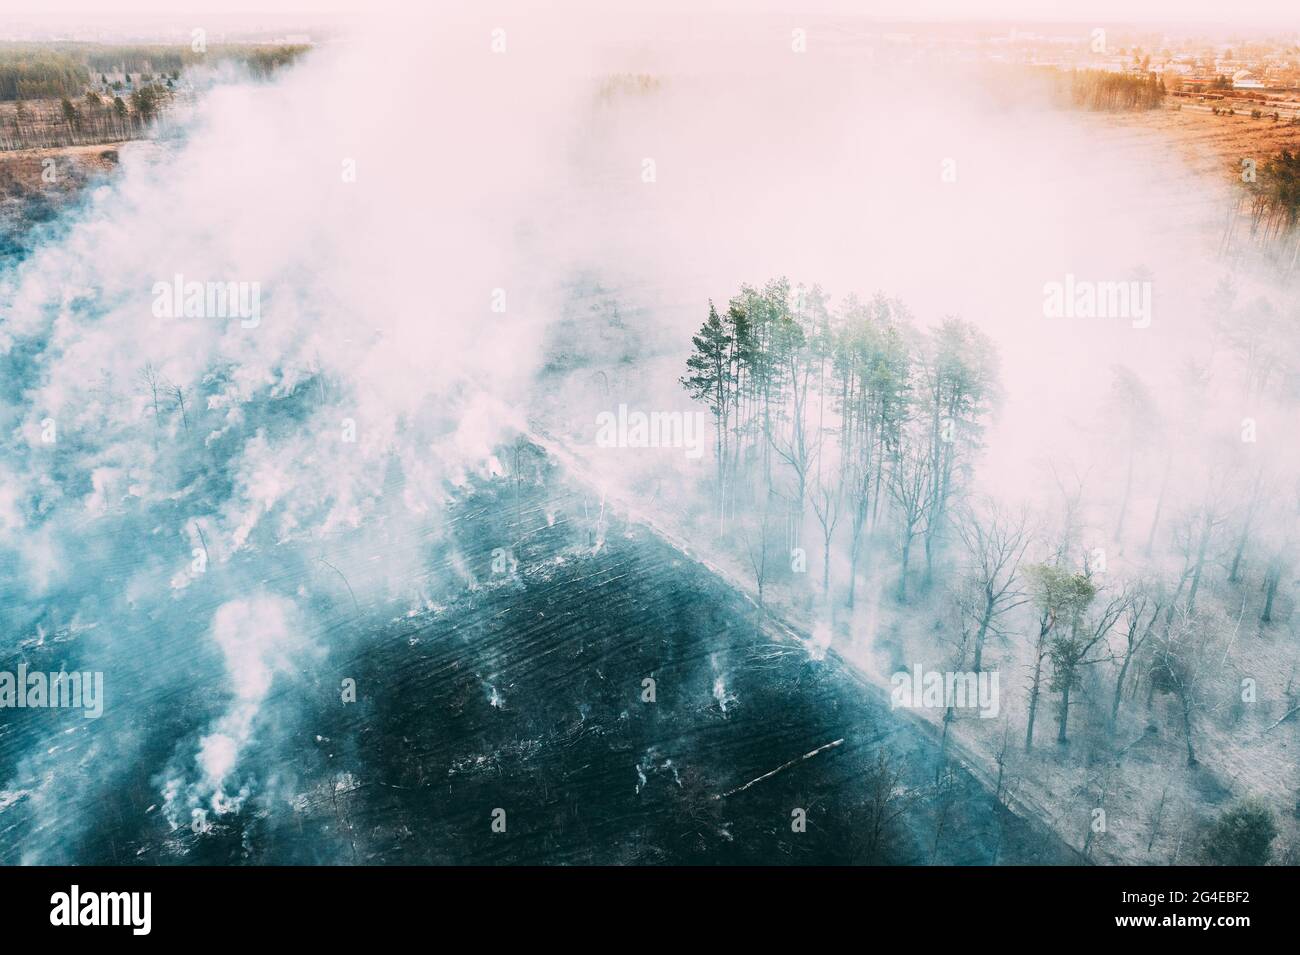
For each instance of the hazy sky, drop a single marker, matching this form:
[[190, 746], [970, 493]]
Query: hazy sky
[[1282, 13]]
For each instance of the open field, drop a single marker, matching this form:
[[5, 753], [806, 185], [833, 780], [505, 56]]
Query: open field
[[37, 184], [1209, 144]]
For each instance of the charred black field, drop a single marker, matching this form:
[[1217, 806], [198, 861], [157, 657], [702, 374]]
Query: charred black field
[[525, 692]]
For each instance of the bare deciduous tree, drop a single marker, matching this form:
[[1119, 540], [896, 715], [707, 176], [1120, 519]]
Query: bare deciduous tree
[[1136, 635], [885, 799], [908, 483], [826, 505], [1179, 666], [995, 543]]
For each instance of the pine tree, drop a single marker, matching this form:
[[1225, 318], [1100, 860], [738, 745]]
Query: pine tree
[[709, 377]]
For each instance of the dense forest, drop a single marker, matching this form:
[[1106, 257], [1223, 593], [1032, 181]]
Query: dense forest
[[31, 73]]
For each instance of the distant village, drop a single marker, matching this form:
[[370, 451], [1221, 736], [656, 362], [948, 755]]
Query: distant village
[[1186, 64], [1254, 68], [1264, 70]]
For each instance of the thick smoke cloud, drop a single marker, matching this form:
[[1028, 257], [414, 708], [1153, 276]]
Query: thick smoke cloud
[[199, 471], [159, 467]]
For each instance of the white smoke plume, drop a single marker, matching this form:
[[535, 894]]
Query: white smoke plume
[[184, 457], [259, 638]]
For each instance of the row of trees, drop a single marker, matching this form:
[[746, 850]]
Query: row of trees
[[91, 119], [139, 59]]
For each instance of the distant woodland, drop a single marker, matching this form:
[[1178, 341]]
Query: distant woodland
[[49, 71]]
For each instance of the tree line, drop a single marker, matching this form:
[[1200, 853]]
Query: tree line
[[1269, 198], [34, 71], [1100, 90], [34, 74], [852, 428], [89, 119]]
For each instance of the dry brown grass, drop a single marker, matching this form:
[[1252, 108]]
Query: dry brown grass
[[1209, 144]]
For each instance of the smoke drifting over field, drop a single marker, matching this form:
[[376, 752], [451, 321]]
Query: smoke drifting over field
[[190, 504], [161, 449]]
